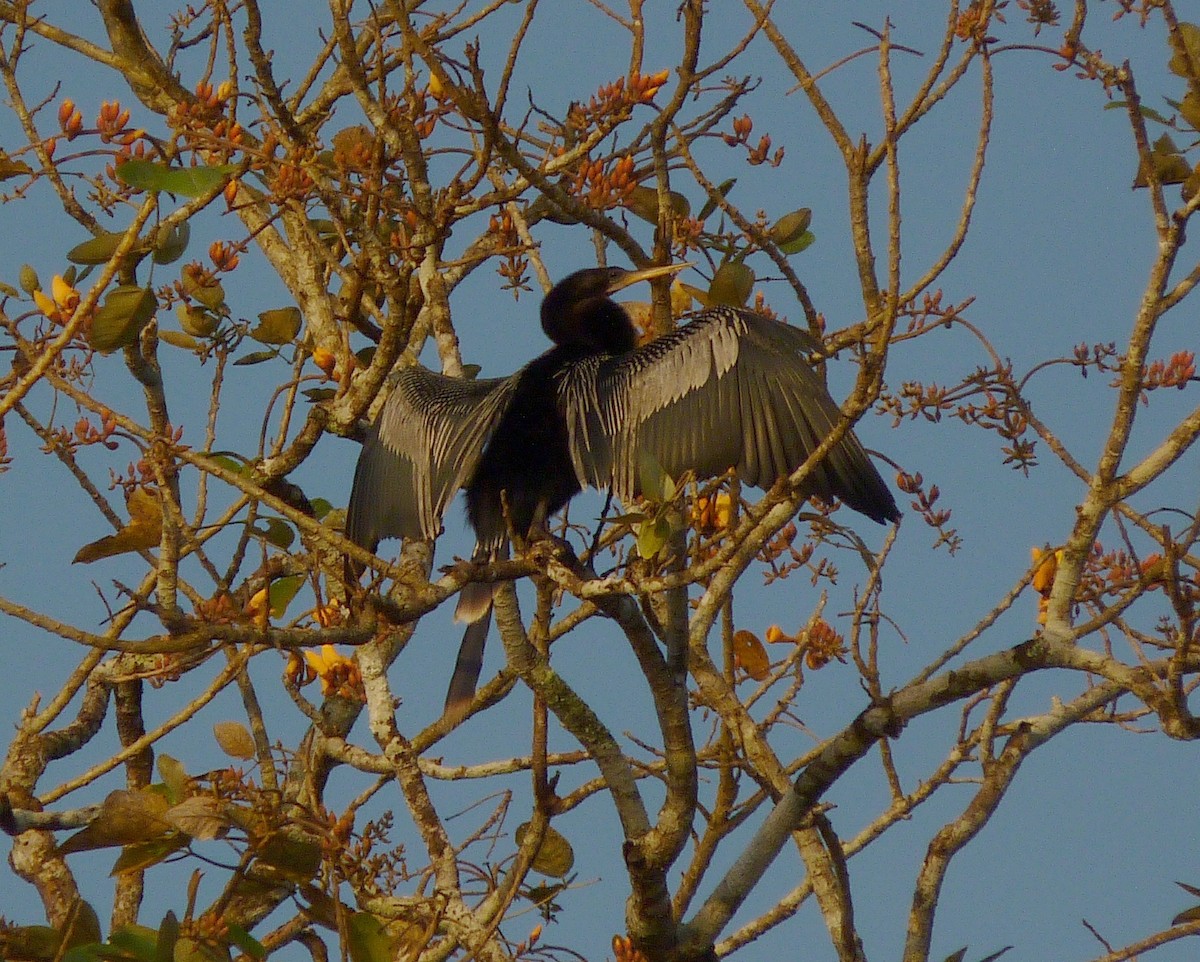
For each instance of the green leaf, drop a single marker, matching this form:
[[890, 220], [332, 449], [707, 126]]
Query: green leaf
[[172, 244], [152, 175], [139, 941], [197, 321], [207, 290], [179, 339], [790, 226], [125, 817], [731, 284], [1169, 163], [653, 481], [1148, 112], [175, 778], [28, 279], [38, 943], [321, 507], [801, 243], [276, 531], [255, 357], [281, 593], [1185, 46], [643, 203], [368, 939], [278, 326], [790, 233], [318, 394], [97, 250], [168, 935], [231, 462], [554, 857], [127, 309], [85, 929], [298, 859], [652, 537], [239, 937], [144, 855], [710, 205]]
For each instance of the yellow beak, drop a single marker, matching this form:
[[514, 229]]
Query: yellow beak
[[645, 274]]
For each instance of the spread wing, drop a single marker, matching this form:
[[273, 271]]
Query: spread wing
[[730, 389], [420, 451]]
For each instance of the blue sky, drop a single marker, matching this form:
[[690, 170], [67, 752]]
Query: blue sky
[[1098, 824]]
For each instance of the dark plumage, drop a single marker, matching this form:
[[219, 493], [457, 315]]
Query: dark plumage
[[730, 388]]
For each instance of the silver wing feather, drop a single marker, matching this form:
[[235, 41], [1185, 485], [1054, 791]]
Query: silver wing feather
[[422, 448], [730, 389]]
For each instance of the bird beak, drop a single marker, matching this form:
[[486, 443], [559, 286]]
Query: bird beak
[[645, 274]]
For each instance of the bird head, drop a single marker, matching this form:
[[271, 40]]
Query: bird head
[[580, 312]]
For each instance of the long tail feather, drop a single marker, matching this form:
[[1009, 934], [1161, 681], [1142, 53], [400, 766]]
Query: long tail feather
[[468, 666], [474, 601]]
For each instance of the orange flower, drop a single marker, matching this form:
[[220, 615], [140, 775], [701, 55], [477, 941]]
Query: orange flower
[[339, 675], [643, 87], [259, 607], [326, 360], [61, 305], [824, 644], [329, 615], [1043, 577], [70, 119]]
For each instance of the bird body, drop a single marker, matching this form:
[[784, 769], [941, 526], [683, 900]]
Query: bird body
[[728, 389], [530, 440]]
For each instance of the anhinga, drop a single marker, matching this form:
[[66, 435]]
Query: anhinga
[[728, 389]]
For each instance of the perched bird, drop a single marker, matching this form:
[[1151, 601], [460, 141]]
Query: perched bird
[[728, 389]]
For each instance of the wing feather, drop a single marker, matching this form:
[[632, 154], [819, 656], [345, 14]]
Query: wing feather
[[730, 389], [422, 448]]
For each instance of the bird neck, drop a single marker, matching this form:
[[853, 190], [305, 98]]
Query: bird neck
[[595, 325]]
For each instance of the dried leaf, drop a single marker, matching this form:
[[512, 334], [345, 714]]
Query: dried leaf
[[750, 655], [235, 739], [200, 816], [125, 818], [10, 168], [143, 531]]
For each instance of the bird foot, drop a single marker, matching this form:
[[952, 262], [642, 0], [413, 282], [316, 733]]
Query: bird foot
[[548, 547]]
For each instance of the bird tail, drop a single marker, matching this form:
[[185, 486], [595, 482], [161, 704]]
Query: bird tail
[[469, 665], [475, 608], [474, 601]]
